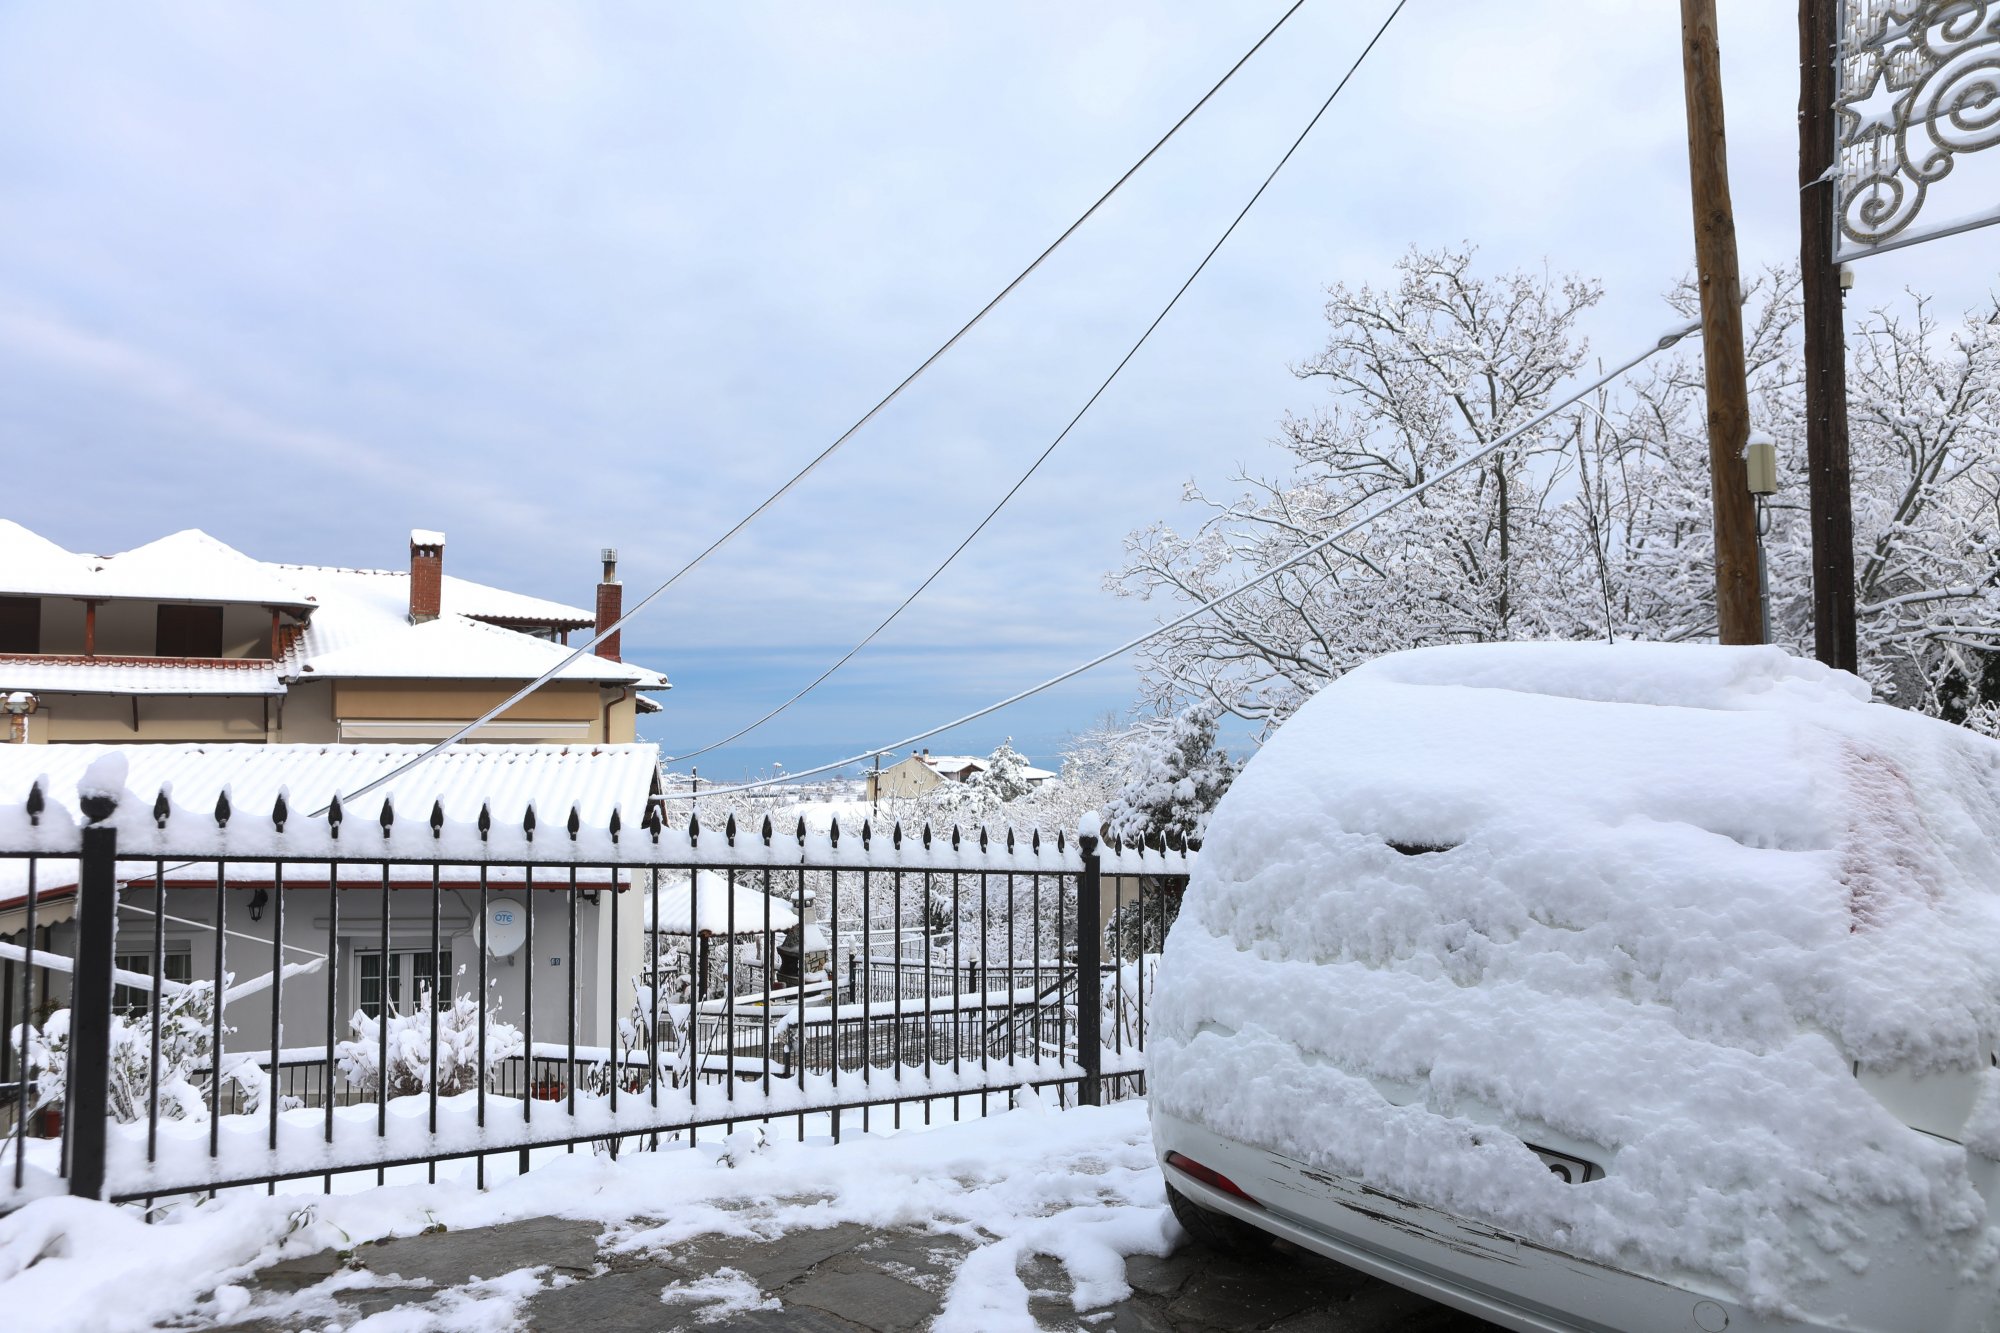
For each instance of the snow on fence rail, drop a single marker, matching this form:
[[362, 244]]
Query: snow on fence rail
[[399, 990]]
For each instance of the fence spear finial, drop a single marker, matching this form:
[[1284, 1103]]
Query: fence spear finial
[[162, 808], [954, 837], [729, 829], [388, 815], [281, 810], [982, 837], [655, 820], [866, 831], [927, 835], [802, 830], [617, 823], [767, 830], [35, 803], [575, 820], [222, 808], [485, 819], [437, 818], [694, 829], [528, 820], [833, 831], [896, 835], [333, 815]]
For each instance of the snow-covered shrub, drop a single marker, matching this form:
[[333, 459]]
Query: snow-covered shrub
[[186, 1027], [410, 1048]]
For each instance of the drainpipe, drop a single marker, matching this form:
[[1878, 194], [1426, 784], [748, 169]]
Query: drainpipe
[[610, 704]]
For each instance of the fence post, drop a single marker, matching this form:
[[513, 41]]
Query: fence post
[[86, 1098], [1090, 976]]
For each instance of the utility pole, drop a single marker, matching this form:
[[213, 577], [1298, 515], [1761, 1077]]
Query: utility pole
[[1825, 339], [1738, 616]]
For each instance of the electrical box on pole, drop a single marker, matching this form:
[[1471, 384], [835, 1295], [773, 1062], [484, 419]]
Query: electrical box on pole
[[1738, 609]]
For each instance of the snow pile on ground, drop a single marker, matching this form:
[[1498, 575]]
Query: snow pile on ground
[[1079, 1185], [1658, 902]]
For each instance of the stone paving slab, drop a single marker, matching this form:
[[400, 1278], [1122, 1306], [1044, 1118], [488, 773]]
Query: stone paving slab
[[846, 1279]]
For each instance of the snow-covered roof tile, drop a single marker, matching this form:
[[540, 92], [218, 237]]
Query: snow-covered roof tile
[[127, 675]]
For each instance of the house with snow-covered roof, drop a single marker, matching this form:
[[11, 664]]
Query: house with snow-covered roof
[[214, 672], [923, 772], [186, 639]]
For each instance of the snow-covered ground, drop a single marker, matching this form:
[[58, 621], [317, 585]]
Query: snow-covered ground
[[1079, 1185]]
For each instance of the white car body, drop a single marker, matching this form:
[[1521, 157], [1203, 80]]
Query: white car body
[[1347, 1038]]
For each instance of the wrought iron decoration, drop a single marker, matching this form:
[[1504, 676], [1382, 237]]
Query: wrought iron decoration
[[1919, 85]]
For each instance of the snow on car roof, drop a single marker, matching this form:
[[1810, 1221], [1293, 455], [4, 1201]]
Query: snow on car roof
[[1682, 905]]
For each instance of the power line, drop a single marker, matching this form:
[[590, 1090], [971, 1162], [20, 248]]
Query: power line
[[1043, 457], [1665, 341], [845, 435]]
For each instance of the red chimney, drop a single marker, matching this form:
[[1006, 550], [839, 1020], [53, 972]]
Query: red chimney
[[426, 575], [610, 605]]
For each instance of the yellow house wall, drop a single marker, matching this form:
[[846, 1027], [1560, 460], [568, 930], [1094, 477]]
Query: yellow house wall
[[108, 718]]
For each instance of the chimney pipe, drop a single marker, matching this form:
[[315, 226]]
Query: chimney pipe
[[610, 606], [426, 575]]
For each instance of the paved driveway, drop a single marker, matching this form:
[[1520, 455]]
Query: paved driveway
[[835, 1280]]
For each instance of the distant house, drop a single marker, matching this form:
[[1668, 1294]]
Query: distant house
[[213, 670], [924, 771], [188, 639]]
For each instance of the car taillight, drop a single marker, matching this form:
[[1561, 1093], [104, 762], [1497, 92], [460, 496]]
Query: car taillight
[[1208, 1176]]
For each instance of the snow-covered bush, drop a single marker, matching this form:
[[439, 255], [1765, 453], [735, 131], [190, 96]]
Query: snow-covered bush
[[186, 1027], [458, 1068]]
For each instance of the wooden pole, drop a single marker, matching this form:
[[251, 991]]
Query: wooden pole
[[1738, 615], [1825, 341]]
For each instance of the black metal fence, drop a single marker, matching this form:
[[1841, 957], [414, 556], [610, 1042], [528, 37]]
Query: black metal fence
[[815, 975]]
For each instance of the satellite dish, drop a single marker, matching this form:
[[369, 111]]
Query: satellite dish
[[506, 926]]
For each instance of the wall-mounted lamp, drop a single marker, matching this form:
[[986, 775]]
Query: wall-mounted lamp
[[257, 901]]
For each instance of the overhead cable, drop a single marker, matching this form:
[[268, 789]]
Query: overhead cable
[[1090, 402], [1401, 498], [845, 435]]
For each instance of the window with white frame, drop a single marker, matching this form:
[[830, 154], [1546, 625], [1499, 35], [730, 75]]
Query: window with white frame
[[410, 974]]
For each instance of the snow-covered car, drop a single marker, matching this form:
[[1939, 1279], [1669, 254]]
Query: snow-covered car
[[1602, 987]]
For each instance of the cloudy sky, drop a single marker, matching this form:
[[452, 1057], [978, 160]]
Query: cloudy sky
[[556, 277]]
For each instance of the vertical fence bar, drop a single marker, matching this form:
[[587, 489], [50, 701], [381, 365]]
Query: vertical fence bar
[[1038, 1027], [529, 1088], [930, 998], [27, 1012], [768, 952], [799, 996], [570, 1071], [957, 980], [729, 1000], [695, 993], [867, 989], [440, 971], [86, 1100], [271, 1094], [159, 999], [382, 1011], [896, 886], [215, 1010], [332, 994], [833, 993], [653, 924], [608, 902], [1012, 978], [986, 985], [1089, 976], [480, 942]]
